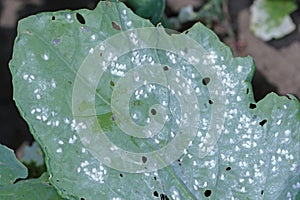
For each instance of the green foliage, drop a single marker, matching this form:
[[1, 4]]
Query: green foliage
[[270, 18], [149, 9], [11, 169], [256, 156]]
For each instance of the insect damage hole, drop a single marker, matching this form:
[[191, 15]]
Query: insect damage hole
[[80, 18], [252, 106], [263, 122], [166, 68], [155, 193], [205, 81], [144, 159], [207, 193], [153, 111]]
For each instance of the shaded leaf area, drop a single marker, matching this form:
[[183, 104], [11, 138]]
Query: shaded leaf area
[[10, 168], [256, 156], [30, 189]]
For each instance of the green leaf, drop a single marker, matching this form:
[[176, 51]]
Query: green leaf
[[149, 9], [33, 189], [10, 168], [256, 156], [270, 18]]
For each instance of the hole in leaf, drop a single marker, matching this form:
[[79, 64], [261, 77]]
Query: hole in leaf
[[247, 91], [287, 96], [166, 68], [228, 168], [164, 197], [210, 102], [207, 193], [121, 175], [53, 18], [80, 18], [205, 81], [144, 159], [82, 198], [263, 122], [252, 106], [112, 83], [262, 192], [155, 193], [153, 111], [179, 162], [116, 26], [154, 177], [186, 32]]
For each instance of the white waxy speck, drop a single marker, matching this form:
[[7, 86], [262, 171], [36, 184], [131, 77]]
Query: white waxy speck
[[239, 69], [156, 141], [78, 170], [238, 98], [83, 150], [59, 150], [45, 57], [72, 139], [129, 23], [60, 142], [38, 117], [287, 132], [91, 50], [38, 96]]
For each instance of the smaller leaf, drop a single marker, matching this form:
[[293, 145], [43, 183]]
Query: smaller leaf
[[10, 168], [33, 189], [150, 9], [270, 19]]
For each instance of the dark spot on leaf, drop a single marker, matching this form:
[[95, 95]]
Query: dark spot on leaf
[[100, 54], [70, 82], [113, 117], [121, 175], [116, 26], [252, 106], [53, 18], [210, 102], [155, 193], [186, 32], [154, 177], [247, 91], [205, 81], [153, 111], [207, 193], [144, 159], [107, 3], [262, 192], [80, 18], [57, 180], [82, 198], [166, 68], [164, 197], [112, 84], [228, 168], [287, 96], [263, 122]]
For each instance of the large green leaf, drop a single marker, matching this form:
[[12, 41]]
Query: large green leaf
[[56, 55], [10, 168]]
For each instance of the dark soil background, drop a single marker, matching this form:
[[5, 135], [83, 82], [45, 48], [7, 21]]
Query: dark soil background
[[271, 58]]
